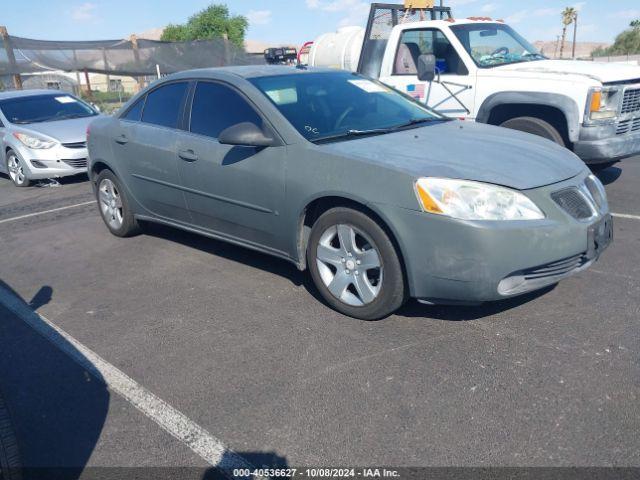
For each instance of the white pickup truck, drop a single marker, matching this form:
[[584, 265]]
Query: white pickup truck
[[482, 70]]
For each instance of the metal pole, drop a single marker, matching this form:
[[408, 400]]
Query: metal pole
[[575, 35], [13, 66], [88, 82], [77, 69]]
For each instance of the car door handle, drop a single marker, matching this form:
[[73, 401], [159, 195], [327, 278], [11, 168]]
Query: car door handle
[[188, 155], [122, 139]]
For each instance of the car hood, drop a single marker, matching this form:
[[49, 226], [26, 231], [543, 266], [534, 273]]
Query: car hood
[[600, 71], [467, 151], [64, 131]]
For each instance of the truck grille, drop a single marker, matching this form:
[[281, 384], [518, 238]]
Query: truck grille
[[77, 163], [75, 145], [628, 126], [573, 202], [631, 101]]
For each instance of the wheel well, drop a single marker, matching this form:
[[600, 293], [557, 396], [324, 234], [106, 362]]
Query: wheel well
[[553, 115], [318, 207], [97, 168]]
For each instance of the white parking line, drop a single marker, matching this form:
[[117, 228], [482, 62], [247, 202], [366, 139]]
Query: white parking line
[[168, 418], [22, 217], [624, 215]]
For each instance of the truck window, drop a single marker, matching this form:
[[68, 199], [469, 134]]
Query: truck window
[[414, 43]]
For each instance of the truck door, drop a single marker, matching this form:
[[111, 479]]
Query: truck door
[[452, 93]]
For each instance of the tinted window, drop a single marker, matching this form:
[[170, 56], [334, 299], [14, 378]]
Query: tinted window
[[427, 42], [163, 105], [44, 108], [216, 107], [135, 112]]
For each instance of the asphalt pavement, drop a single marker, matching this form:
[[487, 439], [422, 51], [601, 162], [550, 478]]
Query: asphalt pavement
[[239, 344]]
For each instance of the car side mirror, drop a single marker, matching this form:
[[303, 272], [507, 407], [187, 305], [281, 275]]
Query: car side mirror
[[245, 134], [426, 68]]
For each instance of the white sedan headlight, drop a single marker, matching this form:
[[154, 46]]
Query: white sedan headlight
[[34, 142], [467, 200]]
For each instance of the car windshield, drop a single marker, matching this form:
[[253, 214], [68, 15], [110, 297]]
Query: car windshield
[[492, 44], [44, 108], [337, 105]]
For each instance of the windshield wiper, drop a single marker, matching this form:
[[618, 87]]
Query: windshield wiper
[[417, 121], [352, 134]]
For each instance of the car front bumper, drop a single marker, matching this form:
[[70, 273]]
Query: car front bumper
[[608, 143], [451, 261], [55, 162]]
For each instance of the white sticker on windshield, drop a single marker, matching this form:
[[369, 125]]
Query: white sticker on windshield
[[66, 100], [369, 86]]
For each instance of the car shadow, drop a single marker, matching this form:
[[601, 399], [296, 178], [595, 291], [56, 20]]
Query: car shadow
[[57, 406], [287, 270], [414, 309], [609, 175], [258, 460]]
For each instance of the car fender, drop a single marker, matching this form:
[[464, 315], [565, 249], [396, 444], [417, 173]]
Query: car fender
[[562, 102]]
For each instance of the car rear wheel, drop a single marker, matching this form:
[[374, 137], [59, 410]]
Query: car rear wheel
[[16, 170], [355, 265], [535, 126], [114, 206]]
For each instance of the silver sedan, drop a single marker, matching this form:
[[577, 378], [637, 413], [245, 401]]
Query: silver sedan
[[43, 135]]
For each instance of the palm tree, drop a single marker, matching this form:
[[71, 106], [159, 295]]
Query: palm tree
[[568, 17]]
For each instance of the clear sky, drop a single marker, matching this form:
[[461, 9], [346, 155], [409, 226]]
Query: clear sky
[[293, 21]]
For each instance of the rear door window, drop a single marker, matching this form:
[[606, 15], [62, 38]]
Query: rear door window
[[164, 105], [217, 107]]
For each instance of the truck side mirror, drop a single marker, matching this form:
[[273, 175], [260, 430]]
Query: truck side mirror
[[426, 68]]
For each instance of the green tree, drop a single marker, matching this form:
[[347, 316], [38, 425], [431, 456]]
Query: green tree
[[569, 15], [627, 43], [214, 21], [635, 24]]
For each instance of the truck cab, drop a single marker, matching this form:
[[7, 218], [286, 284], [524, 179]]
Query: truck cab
[[484, 71]]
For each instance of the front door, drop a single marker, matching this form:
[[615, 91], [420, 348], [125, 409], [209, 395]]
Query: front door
[[452, 93], [235, 191], [146, 138]]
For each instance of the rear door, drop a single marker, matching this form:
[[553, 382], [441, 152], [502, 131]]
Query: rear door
[[233, 190], [146, 141]]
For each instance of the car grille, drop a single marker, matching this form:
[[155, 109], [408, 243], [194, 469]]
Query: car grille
[[75, 145], [573, 202], [555, 269], [628, 126], [77, 163], [631, 101]]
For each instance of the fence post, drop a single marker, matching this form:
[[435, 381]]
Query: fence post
[[17, 79], [225, 40], [136, 55], [88, 81], [106, 68]]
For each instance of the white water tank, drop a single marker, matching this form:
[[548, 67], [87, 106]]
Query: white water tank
[[339, 49]]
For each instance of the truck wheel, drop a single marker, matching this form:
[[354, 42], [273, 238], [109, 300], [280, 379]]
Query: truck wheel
[[355, 265], [10, 467], [535, 126]]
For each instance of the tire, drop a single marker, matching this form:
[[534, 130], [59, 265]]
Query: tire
[[114, 206], [10, 465], [365, 294], [535, 126], [19, 178]]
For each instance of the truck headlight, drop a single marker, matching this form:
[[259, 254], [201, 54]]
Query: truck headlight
[[603, 104], [32, 141], [466, 200]]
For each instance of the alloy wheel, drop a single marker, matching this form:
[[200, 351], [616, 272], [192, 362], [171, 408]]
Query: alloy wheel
[[349, 265], [110, 204], [16, 170]]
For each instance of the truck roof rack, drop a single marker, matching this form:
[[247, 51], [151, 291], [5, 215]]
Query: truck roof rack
[[382, 18]]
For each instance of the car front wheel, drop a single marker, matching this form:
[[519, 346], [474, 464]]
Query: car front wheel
[[355, 265], [114, 206], [16, 170]]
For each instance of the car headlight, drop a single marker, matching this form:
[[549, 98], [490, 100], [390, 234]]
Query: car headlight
[[466, 200], [603, 104], [31, 141]]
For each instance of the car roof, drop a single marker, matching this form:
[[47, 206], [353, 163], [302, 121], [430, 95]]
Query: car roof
[[250, 71], [29, 93]]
